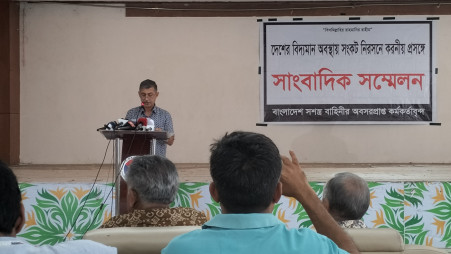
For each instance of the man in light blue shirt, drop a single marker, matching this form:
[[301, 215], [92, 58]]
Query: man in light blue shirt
[[12, 219], [249, 177]]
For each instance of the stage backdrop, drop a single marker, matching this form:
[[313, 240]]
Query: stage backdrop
[[348, 72], [420, 211], [89, 60]]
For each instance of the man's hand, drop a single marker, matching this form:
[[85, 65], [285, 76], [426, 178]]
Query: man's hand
[[170, 140], [294, 181], [295, 184]]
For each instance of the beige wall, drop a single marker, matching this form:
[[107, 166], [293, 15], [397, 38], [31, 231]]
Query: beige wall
[[81, 66]]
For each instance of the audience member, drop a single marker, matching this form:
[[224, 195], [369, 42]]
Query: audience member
[[347, 197], [249, 177], [152, 182], [12, 219]]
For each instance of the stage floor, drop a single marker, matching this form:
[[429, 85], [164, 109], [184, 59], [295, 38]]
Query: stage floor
[[199, 172]]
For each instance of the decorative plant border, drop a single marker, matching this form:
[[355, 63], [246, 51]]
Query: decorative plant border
[[420, 211]]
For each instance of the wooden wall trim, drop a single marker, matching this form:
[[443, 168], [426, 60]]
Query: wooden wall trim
[[287, 8], [9, 82]]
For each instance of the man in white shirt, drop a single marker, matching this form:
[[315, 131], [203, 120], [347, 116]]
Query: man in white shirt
[[12, 219]]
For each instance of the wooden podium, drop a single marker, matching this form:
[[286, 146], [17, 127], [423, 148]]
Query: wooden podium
[[134, 142]]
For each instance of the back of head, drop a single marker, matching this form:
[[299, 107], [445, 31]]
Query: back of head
[[10, 199], [146, 84], [154, 178], [348, 196], [245, 168]]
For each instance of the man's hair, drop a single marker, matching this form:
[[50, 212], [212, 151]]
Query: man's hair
[[348, 196], [146, 84], [154, 178], [245, 168], [10, 198]]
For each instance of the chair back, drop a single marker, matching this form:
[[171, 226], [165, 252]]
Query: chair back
[[377, 240], [137, 240]]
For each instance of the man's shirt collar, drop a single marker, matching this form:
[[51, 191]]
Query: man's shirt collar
[[242, 221]]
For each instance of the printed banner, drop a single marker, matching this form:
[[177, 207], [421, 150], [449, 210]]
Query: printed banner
[[349, 72]]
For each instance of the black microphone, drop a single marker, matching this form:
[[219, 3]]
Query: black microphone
[[111, 125], [124, 124], [121, 121]]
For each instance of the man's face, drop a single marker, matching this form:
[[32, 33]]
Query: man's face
[[148, 97]]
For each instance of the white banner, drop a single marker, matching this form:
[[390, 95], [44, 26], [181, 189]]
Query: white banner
[[349, 72]]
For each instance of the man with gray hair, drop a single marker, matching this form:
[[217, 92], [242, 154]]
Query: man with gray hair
[[347, 197], [148, 94], [152, 182]]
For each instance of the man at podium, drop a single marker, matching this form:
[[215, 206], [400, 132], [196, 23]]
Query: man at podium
[[148, 93]]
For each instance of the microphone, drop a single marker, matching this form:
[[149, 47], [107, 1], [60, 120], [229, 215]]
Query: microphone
[[111, 125], [150, 125], [122, 121], [124, 124], [141, 123], [120, 124]]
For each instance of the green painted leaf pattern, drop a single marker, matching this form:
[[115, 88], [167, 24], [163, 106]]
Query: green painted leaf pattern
[[371, 185], [392, 218], [420, 238], [420, 211], [215, 208], [183, 197], [303, 219], [48, 200], [413, 192], [52, 219], [23, 186], [45, 232], [442, 212], [414, 228], [391, 212], [447, 236], [394, 198], [317, 187], [276, 208], [302, 216]]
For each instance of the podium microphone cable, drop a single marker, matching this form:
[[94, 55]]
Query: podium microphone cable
[[103, 203], [90, 191], [116, 177]]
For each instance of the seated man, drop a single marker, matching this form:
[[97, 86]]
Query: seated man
[[347, 197], [249, 177], [12, 218], [152, 182]]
